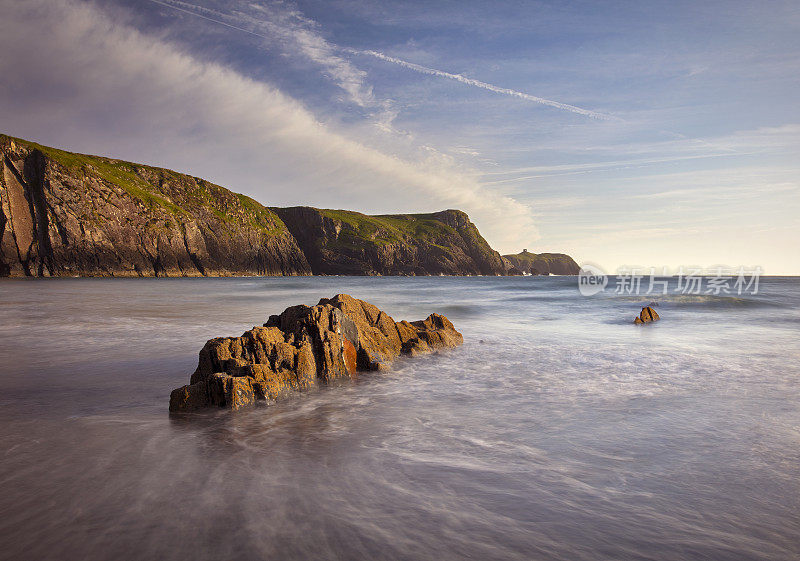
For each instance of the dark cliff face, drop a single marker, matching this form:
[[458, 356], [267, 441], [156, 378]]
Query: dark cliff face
[[543, 263], [339, 242], [66, 214]]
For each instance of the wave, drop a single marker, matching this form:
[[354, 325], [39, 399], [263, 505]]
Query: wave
[[702, 301]]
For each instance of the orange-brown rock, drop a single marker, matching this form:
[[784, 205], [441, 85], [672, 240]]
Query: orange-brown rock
[[436, 332], [378, 338], [647, 315], [305, 346], [350, 357]]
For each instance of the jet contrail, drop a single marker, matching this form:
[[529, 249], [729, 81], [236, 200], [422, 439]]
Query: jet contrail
[[416, 67], [166, 4], [484, 85]]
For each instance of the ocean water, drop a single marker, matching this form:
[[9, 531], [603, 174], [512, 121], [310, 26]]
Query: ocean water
[[558, 431]]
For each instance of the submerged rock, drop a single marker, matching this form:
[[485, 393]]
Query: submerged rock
[[305, 346], [647, 315]]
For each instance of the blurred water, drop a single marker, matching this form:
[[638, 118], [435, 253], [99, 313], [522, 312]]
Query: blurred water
[[558, 431]]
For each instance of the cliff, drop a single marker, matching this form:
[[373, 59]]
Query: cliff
[[340, 242], [543, 263], [67, 214]]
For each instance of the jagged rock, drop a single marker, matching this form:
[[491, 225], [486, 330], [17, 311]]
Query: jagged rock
[[379, 340], [647, 315], [304, 346], [435, 332]]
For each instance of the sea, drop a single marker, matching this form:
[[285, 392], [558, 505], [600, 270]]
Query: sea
[[558, 431]]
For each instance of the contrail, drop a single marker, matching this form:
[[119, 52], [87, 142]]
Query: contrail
[[168, 5], [412, 66], [484, 85]]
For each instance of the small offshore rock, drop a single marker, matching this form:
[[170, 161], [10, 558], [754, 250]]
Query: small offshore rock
[[647, 315]]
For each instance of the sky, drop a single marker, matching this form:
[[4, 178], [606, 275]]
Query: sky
[[627, 134]]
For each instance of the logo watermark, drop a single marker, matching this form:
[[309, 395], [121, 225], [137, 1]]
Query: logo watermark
[[591, 280], [692, 280]]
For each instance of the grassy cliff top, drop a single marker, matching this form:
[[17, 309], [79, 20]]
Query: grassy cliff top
[[185, 197], [528, 257], [554, 263], [391, 228], [159, 188]]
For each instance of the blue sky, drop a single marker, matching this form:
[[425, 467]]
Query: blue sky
[[623, 133]]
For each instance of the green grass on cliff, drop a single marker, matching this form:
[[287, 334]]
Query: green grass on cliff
[[230, 208], [115, 172], [544, 262], [387, 229], [259, 216], [527, 257], [524, 257]]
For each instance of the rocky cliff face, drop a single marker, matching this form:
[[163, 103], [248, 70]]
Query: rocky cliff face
[[339, 242], [67, 214], [541, 264], [74, 215]]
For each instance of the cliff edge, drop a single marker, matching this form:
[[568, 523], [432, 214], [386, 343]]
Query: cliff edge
[[66, 214], [341, 242]]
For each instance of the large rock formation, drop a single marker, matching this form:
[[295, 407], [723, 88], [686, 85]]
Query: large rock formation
[[305, 346], [340, 242], [75, 215], [542, 263], [67, 214]]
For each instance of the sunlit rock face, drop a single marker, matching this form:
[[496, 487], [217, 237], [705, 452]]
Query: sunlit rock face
[[647, 315], [305, 346], [66, 214]]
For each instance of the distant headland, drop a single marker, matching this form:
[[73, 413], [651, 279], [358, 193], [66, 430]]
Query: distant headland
[[68, 214], [526, 263]]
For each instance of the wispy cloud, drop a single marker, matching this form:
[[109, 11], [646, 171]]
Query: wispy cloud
[[86, 83], [577, 169], [293, 32], [302, 33], [478, 84]]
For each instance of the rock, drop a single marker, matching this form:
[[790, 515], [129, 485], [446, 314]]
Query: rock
[[350, 357], [239, 391], [303, 347], [378, 338], [647, 315], [189, 397], [433, 333]]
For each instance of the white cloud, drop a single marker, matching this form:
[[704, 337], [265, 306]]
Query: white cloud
[[294, 33], [75, 78]]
